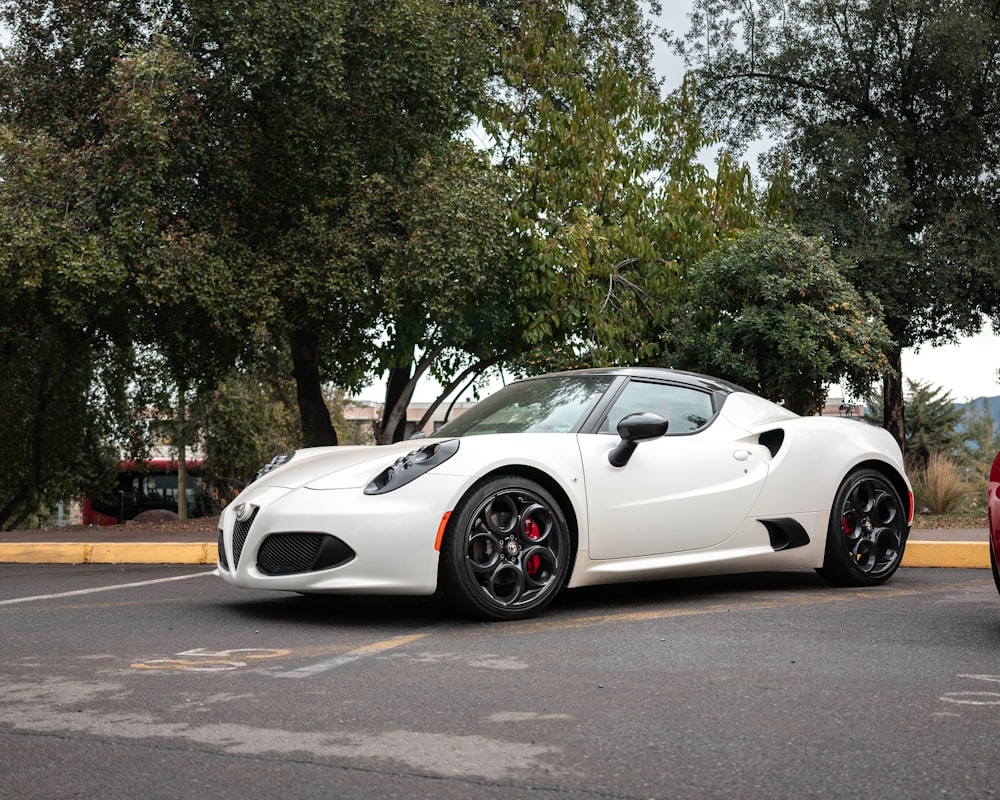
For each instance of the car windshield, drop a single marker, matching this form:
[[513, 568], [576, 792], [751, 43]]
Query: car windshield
[[554, 404]]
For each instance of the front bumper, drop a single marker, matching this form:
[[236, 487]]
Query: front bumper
[[392, 537]]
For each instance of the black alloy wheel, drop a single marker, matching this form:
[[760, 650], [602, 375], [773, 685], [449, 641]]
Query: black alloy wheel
[[867, 531], [506, 550]]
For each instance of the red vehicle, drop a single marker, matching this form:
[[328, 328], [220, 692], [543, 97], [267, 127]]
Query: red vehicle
[[993, 507], [147, 486]]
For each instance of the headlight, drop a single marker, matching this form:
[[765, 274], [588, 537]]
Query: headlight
[[411, 466], [273, 464]]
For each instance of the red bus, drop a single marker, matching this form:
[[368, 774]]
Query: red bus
[[146, 486]]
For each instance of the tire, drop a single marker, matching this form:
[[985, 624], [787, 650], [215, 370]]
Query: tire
[[867, 531], [993, 563], [506, 551]]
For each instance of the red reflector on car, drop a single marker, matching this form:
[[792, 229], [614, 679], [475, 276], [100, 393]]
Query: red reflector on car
[[441, 527]]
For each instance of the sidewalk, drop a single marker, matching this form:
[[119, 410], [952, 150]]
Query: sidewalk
[[967, 548]]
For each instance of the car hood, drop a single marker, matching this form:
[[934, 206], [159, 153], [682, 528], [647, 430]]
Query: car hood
[[335, 467]]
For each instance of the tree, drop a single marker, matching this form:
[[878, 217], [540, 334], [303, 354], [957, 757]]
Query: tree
[[888, 113], [244, 422], [228, 154], [569, 111], [97, 97], [449, 280], [55, 441], [221, 176], [560, 66], [55, 335], [980, 436], [184, 302], [932, 422], [610, 203], [775, 312], [330, 107]]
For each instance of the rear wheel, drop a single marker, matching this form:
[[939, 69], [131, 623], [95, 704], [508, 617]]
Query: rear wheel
[[506, 550], [867, 531]]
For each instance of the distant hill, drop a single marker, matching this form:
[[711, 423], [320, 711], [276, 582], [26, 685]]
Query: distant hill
[[993, 403]]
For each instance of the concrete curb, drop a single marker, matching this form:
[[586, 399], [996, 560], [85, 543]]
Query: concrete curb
[[960, 554], [108, 552], [965, 555]]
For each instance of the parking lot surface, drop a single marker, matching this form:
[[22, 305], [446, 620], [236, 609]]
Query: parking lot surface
[[160, 681]]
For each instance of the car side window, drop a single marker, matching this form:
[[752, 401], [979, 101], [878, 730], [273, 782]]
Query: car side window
[[686, 409]]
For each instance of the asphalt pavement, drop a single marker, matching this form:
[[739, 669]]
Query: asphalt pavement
[[962, 548], [163, 683]]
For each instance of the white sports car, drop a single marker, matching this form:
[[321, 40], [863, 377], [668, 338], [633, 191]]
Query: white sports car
[[574, 479]]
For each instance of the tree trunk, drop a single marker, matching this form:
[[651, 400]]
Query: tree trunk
[[182, 509], [892, 399], [317, 428], [395, 387]]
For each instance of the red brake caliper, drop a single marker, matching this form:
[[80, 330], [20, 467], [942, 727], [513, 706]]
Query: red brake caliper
[[531, 532]]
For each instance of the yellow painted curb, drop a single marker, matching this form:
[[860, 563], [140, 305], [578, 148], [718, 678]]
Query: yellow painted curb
[[108, 553], [967, 555]]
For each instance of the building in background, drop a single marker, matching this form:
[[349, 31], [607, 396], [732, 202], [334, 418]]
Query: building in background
[[361, 419]]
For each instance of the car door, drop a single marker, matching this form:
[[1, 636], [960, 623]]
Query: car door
[[687, 490]]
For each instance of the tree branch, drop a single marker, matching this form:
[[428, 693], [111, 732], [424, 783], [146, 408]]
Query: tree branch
[[478, 367]]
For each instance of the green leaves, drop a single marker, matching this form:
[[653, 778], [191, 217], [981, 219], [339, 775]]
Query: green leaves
[[776, 313], [611, 206], [887, 115]]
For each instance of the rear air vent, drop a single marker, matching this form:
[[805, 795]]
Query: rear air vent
[[772, 440]]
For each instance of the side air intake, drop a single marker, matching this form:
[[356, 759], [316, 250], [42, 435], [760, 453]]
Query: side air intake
[[785, 533]]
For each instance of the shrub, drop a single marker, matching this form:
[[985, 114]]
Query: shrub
[[938, 488]]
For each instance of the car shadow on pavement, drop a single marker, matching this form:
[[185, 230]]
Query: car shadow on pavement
[[354, 611]]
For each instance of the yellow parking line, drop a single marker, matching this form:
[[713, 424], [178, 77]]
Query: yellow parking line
[[386, 644], [353, 655]]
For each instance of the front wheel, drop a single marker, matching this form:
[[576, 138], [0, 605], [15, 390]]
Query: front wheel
[[506, 550], [867, 531]]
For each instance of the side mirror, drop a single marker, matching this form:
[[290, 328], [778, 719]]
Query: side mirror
[[633, 429]]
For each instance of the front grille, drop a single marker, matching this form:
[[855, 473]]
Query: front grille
[[290, 553], [240, 532]]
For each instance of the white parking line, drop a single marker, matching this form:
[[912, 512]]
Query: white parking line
[[97, 589]]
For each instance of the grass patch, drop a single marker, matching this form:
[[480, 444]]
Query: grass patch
[[949, 521]]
